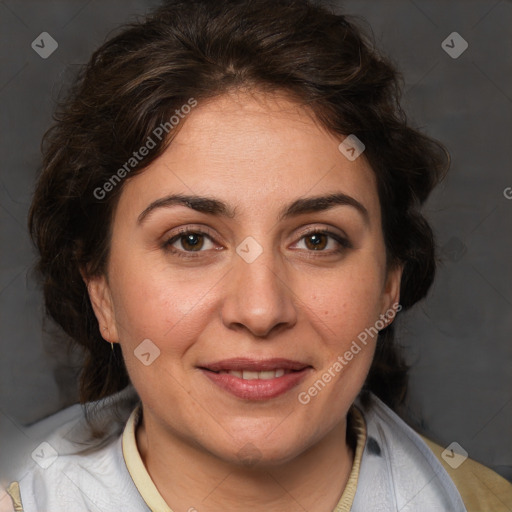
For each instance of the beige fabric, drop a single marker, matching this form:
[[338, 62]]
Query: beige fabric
[[138, 471], [347, 498], [482, 489], [14, 492]]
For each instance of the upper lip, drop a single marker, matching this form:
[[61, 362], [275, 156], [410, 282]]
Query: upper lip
[[257, 365]]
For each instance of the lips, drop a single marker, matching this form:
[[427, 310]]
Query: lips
[[253, 379]]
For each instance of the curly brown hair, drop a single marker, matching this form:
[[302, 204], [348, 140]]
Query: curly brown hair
[[201, 49]]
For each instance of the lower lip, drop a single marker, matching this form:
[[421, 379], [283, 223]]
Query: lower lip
[[257, 389]]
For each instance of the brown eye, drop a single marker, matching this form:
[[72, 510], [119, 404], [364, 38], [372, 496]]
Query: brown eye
[[324, 242], [188, 242], [316, 241], [192, 241]]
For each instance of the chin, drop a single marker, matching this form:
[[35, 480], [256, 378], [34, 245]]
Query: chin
[[261, 452]]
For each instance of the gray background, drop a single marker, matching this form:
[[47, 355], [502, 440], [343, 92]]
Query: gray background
[[458, 339]]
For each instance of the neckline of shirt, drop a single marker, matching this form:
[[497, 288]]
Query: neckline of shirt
[[154, 500]]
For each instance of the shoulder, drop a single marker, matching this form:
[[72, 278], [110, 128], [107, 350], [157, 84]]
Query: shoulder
[[480, 487], [60, 477], [414, 464], [62, 480], [66, 471], [398, 469]]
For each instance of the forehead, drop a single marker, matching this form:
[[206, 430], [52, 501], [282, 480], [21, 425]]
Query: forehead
[[256, 151]]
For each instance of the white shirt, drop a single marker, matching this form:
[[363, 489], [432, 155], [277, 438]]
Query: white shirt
[[393, 470]]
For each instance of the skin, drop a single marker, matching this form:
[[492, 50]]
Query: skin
[[257, 152]]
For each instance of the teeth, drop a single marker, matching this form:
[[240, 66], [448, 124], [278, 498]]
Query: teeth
[[251, 375], [264, 375], [247, 375]]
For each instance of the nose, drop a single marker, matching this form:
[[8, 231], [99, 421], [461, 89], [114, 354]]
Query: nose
[[259, 297]]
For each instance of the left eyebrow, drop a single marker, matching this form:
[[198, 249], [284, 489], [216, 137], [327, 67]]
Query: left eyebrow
[[212, 206], [322, 203]]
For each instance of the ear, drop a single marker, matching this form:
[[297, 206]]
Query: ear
[[391, 292], [103, 306]]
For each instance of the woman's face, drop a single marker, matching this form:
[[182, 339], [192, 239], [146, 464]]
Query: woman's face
[[225, 330]]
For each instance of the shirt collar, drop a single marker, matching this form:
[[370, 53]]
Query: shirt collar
[[154, 500]]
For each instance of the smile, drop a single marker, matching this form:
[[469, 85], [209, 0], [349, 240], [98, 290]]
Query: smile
[[256, 379]]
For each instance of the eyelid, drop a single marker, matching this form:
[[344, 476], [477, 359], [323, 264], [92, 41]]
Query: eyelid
[[331, 230], [191, 228], [335, 232]]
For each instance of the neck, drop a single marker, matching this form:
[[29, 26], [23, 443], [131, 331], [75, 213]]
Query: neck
[[190, 478]]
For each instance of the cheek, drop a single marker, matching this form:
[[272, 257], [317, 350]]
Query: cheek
[[342, 311], [346, 302], [166, 307]]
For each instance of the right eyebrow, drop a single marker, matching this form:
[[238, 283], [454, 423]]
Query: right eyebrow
[[198, 203]]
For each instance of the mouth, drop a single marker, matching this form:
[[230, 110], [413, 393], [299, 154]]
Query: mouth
[[251, 375], [252, 379]]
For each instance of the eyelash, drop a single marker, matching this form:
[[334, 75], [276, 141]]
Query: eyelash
[[343, 243]]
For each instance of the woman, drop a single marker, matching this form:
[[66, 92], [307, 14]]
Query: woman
[[228, 221]]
